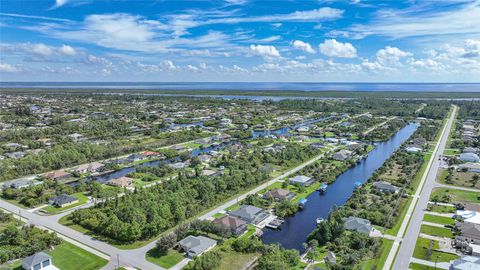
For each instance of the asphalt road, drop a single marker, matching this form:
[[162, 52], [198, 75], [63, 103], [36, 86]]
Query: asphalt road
[[133, 257], [405, 251]]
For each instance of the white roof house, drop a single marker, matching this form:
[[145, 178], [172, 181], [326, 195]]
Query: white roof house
[[466, 263], [469, 157], [469, 216], [302, 180]]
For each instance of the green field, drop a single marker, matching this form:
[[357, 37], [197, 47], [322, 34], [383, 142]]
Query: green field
[[439, 219], [417, 266], [67, 256], [436, 231], [421, 247], [167, 260], [380, 261], [82, 199], [440, 208], [457, 195]]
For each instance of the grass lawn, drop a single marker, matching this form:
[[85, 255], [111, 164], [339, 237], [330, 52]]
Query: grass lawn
[[457, 195], [67, 256], [451, 152], [462, 179], [440, 208], [421, 172], [232, 260], [329, 134], [417, 266], [218, 215], [439, 219], [82, 199], [167, 260], [421, 251], [436, 231], [250, 231], [14, 265], [378, 262]]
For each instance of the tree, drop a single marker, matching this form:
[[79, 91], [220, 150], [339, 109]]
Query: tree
[[166, 242], [475, 179]]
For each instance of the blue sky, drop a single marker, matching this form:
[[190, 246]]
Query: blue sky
[[240, 40]]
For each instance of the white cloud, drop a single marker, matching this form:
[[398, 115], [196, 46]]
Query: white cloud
[[391, 55], [333, 48], [303, 46], [5, 67], [236, 2], [264, 50], [464, 20], [67, 50], [59, 3], [42, 50]]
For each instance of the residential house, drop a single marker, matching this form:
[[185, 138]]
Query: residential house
[[470, 167], [76, 137], [196, 245], [178, 165], [279, 194], [251, 214], [302, 180], [330, 258], [385, 187], [235, 224], [89, 168], [469, 157], [124, 182], [63, 200], [316, 145], [342, 154], [358, 224], [466, 263], [21, 183], [57, 175], [413, 149], [15, 155], [469, 232], [352, 146], [38, 261], [474, 150]]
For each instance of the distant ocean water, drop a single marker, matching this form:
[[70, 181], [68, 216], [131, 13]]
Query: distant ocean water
[[252, 86]]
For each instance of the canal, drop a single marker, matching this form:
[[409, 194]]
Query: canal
[[296, 228]]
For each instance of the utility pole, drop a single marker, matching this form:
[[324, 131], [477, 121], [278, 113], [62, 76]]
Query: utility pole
[[118, 261]]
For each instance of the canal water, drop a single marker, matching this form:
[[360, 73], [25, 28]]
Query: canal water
[[127, 170], [296, 228]]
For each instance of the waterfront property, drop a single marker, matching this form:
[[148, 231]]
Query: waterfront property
[[236, 225], [251, 214], [359, 224], [302, 180]]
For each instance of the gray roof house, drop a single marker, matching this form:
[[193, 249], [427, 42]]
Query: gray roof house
[[302, 180], [196, 245], [63, 200], [466, 263], [37, 261], [342, 154], [385, 187], [279, 194], [21, 183], [358, 224], [469, 157], [250, 214], [330, 258]]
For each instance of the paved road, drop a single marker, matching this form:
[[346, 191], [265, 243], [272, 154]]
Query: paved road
[[134, 257], [420, 201], [379, 125], [126, 257], [457, 187]]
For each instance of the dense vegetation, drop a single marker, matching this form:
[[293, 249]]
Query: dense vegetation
[[147, 212], [21, 242]]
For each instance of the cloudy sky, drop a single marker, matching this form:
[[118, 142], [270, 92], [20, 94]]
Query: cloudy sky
[[240, 40]]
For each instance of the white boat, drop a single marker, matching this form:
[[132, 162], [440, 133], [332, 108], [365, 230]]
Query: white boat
[[320, 220]]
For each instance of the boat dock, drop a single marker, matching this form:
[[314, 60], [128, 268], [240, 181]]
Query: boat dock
[[275, 224]]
